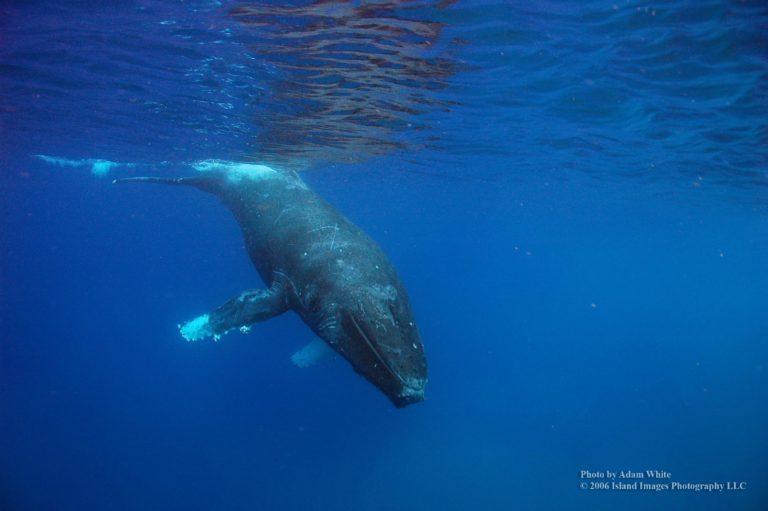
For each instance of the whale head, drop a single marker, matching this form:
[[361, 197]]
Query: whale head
[[378, 336]]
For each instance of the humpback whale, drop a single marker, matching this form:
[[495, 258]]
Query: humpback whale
[[319, 264]]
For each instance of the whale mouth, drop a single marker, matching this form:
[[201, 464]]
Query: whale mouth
[[376, 352], [409, 389]]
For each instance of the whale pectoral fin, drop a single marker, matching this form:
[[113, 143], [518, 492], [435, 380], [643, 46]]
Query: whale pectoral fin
[[250, 307], [312, 353]]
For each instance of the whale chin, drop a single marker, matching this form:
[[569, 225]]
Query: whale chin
[[410, 394]]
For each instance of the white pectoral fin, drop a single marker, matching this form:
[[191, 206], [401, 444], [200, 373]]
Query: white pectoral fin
[[312, 353], [196, 329], [240, 312]]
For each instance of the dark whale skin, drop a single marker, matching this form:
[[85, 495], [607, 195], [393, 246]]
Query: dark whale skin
[[319, 264]]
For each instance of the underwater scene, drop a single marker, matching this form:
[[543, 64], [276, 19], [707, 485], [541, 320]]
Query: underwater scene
[[384, 255]]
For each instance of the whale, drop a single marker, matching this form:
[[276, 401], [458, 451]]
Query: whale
[[317, 263]]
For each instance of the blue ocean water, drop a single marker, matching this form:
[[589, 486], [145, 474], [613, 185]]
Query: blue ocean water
[[574, 194]]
